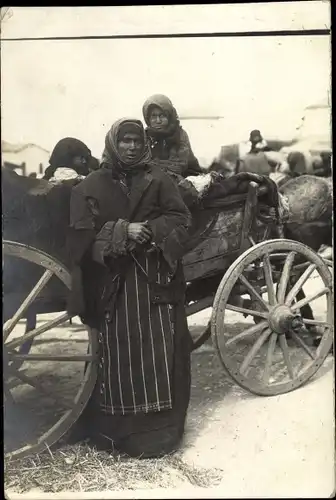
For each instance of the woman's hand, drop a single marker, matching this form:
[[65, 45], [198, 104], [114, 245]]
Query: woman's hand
[[139, 232], [131, 246]]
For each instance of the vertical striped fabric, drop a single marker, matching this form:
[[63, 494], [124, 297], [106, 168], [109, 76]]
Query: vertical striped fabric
[[135, 372]]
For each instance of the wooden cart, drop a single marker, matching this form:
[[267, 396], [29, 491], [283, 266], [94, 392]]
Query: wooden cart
[[234, 268]]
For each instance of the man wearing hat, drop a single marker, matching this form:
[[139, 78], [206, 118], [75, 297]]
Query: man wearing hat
[[255, 160], [257, 142]]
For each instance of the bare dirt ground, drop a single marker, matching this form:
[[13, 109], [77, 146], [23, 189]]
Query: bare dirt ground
[[244, 445]]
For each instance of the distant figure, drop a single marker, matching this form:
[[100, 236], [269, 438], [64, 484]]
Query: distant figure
[[322, 165], [255, 160], [257, 142], [33, 175], [297, 163], [302, 162], [70, 159]]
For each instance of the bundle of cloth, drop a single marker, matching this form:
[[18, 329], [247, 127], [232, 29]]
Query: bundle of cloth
[[212, 189]]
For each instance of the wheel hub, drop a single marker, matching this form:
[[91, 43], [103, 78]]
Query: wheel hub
[[281, 320]]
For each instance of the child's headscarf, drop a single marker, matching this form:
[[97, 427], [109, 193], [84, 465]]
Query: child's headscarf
[[164, 103], [64, 153]]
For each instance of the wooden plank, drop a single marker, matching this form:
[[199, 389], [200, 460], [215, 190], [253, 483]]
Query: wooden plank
[[222, 245]]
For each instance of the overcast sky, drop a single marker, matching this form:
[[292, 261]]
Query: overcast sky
[[53, 89]]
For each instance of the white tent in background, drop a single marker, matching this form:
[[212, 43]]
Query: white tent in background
[[314, 133], [206, 135]]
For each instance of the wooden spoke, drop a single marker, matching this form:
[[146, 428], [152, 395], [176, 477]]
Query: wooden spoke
[[10, 324], [38, 331], [253, 292], [285, 352], [44, 357], [306, 300], [27, 380], [36, 385], [299, 284], [269, 280], [254, 351], [285, 276], [301, 266], [8, 395], [13, 383], [247, 333], [328, 262], [316, 322], [269, 358], [250, 312], [278, 255], [304, 346]]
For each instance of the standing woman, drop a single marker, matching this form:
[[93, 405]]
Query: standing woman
[[128, 226], [170, 145]]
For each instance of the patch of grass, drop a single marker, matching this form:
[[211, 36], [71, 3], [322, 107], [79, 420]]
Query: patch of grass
[[82, 468]]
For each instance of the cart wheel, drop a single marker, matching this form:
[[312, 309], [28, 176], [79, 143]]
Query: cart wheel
[[44, 391], [257, 356]]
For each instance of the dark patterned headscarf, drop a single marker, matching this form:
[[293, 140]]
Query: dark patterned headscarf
[[111, 157], [172, 132]]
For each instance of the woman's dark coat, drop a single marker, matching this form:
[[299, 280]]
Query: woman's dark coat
[[100, 198]]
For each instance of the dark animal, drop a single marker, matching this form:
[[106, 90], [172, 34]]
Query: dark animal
[[34, 212]]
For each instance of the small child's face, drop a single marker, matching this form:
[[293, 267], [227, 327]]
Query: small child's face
[[158, 119], [80, 164]]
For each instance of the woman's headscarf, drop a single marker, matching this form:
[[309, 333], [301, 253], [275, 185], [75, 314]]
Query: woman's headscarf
[[165, 104], [64, 153], [66, 150], [111, 157]]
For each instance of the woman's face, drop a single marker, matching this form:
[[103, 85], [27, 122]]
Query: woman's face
[[130, 147], [158, 119]]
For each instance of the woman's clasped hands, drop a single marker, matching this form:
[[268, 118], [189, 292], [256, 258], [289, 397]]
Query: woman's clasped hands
[[139, 232]]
